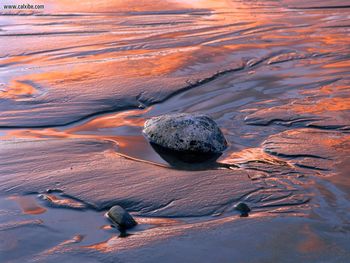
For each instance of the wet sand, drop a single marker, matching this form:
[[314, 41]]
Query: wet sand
[[78, 81]]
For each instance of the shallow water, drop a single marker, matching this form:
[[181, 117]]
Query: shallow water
[[77, 82]]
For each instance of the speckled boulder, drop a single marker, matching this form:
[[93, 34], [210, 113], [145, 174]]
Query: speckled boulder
[[121, 217], [185, 132]]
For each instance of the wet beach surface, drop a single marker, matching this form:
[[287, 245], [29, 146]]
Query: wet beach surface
[[78, 81]]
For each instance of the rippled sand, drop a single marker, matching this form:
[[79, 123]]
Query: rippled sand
[[77, 82]]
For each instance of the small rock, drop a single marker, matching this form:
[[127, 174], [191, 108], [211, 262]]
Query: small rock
[[186, 133], [54, 190], [121, 217], [243, 208]]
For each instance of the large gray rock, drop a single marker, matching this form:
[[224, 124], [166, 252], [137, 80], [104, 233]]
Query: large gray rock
[[121, 217], [185, 132]]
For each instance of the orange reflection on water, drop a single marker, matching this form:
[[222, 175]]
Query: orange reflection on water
[[17, 90], [24, 59], [126, 118], [130, 118], [71, 75], [338, 64], [339, 143], [28, 205], [327, 143], [251, 155], [323, 105]]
